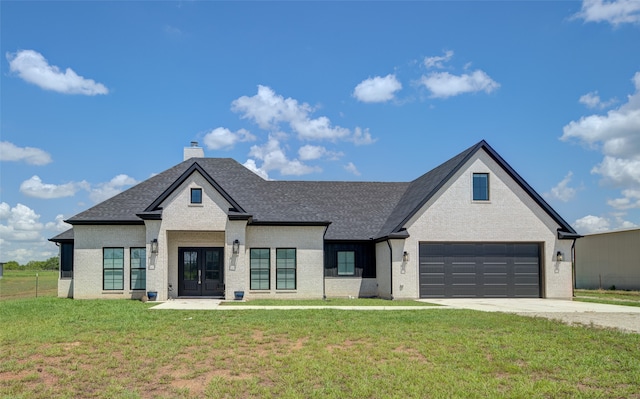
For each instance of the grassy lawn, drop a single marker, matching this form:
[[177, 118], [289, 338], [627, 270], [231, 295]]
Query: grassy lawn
[[22, 284], [62, 348], [627, 298], [326, 302]]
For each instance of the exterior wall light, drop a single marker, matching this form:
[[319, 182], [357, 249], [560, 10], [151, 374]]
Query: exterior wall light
[[559, 257], [405, 256], [236, 247], [154, 246]]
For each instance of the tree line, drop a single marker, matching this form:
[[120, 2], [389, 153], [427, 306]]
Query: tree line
[[49, 264]]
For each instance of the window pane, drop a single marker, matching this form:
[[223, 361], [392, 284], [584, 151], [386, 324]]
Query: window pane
[[196, 195], [346, 263], [138, 273], [286, 268], [260, 268], [480, 186], [113, 268], [138, 279]]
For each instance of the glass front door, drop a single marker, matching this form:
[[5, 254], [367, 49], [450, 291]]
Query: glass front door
[[200, 272]]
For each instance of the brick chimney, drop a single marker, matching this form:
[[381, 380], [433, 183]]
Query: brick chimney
[[194, 151]]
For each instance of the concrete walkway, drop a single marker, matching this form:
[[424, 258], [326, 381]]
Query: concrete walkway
[[531, 305], [624, 318]]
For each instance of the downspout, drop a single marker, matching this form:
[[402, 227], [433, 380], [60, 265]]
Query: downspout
[[324, 292], [573, 268], [390, 269]]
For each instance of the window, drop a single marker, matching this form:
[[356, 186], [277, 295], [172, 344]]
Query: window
[[138, 268], [113, 269], [66, 260], [346, 263], [260, 268], [285, 269], [481, 187], [196, 196]]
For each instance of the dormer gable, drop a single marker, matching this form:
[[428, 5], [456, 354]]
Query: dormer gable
[[194, 168]]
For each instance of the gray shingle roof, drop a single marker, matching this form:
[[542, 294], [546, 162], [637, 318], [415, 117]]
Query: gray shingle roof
[[355, 210]]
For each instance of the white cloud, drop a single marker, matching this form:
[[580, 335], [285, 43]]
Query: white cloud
[[592, 100], [251, 165], [35, 188], [311, 152], [269, 110], [351, 168], [598, 224], [438, 61], [591, 224], [615, 12], [378, 89], [562, 191], [444, 84], [21, 234], [32, 67], [30, 155], [19, 223], [616, 136], [58, 225], [223, 138], [107, 190], [362, 137], [630, 200], [273, 157]]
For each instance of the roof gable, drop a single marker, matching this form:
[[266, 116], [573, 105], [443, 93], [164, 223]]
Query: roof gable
[[195, 167], [426, 186]]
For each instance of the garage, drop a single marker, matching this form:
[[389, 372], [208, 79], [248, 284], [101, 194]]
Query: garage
[[481, 270]]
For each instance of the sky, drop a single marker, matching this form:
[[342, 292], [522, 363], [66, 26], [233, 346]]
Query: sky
[[97, 96]]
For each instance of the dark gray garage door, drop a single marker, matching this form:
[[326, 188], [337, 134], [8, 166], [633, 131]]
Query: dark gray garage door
[[485, 270]]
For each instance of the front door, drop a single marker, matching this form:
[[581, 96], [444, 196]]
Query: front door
[[200, 272]]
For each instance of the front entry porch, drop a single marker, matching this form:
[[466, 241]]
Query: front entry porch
[[200, 272]]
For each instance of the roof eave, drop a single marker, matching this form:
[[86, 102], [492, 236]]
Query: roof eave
[[289, 223], [567, 235]]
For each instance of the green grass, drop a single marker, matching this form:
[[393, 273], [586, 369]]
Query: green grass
[[22, 284], [67, 348], [327, 302], [627, 298]]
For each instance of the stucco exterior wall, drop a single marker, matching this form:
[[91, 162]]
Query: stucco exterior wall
[[88, 253], [185, 224], [65, 288], [609, 259], [383, 268], [309, 244], [343, 287], [509, 216]]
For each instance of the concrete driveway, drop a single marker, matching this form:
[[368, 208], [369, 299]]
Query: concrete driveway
[[625, 318]]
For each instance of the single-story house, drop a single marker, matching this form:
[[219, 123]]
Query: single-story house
[[208, 227], [609, 260]]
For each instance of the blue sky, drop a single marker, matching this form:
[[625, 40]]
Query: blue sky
[[97, 96]]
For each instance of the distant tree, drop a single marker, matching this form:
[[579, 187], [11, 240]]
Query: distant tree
[[52, 263], [12, 265]]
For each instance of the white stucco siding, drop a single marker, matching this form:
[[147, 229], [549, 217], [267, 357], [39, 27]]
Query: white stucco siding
[[185, 224], [383, 267], [180, 214], [309, 245], [88, 258], [236, 269], [510, 215]]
